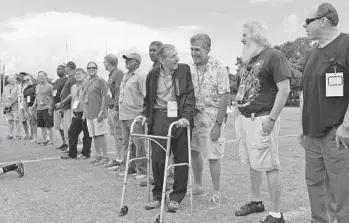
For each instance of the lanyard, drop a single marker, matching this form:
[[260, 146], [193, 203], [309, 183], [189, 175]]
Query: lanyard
[[202, 77]]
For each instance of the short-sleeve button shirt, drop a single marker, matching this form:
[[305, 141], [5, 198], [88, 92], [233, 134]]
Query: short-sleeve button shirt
[[208, 86]]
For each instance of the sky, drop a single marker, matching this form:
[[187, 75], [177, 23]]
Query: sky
[[39, 34]]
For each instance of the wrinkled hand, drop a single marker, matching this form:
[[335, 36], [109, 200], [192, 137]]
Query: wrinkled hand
[[100, 117], [142, 118], [267, 125], [215, 132], [183, 122], [342, 137]]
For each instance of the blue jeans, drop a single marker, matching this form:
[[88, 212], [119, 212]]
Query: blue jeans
[[327, 178]]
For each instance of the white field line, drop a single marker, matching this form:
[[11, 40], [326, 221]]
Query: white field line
[[58, 157], [285, 136], [40, 160]]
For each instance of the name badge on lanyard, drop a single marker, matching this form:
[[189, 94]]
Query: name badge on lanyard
[[75, 104], [28, 99], [54, 93], [334, 84], [172, 109]]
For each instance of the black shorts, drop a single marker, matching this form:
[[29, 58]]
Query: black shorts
[[44, 119]]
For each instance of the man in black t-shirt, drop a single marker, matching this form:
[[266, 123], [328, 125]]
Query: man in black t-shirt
[[65, 103], [58, 113], [325, 116], [264, 85]]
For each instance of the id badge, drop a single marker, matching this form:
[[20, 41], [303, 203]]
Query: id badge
[[172, 109], [241, 93], [28, 99], [75, 104], [86, 100], [334, 84], [109, 93], [41, 102], [54, 93]]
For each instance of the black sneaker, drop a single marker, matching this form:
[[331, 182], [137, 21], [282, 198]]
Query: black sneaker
[[62, 147], [67, 157], [250, 208], [271, 219]]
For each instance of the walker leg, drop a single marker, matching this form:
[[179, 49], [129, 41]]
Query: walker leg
[[124, 209]]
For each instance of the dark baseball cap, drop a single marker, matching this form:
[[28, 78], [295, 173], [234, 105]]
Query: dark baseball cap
[[71, 65]]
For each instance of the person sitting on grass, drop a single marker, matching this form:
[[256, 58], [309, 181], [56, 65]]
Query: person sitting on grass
[[18, 167]]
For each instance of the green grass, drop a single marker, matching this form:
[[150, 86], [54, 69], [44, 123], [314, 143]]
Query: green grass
[[74, 191]]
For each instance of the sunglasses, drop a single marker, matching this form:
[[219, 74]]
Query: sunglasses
[[91, 68], [26, 80], [310, 20]]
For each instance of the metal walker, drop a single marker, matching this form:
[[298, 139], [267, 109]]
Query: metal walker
[[160, 217]]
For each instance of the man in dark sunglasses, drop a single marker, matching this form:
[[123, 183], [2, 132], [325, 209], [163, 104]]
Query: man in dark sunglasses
[[325, 117]]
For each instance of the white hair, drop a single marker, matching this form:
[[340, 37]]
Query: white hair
[[258, 32]]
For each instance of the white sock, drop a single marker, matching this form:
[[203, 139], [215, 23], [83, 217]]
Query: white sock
[[275, 214]]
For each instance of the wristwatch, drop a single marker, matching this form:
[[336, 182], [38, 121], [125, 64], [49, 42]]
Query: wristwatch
[[218, 122]]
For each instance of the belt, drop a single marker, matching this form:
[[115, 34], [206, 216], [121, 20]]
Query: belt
[[160, 110], [253, 115]]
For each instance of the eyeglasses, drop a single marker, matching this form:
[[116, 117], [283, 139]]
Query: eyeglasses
[[91, 68], [310, 20]]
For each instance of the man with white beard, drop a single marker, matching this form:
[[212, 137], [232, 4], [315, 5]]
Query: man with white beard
[[264, 85]]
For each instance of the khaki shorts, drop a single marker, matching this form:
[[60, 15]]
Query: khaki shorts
[[114, 125], [256, 148], [201, 142], [96, 128], [57, 120]]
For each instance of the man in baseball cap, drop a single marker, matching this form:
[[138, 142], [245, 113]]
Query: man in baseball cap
[[71, 65], [133, 56], [132, 92]]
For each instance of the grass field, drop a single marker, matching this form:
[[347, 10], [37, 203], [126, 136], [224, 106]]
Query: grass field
[[55, 190]]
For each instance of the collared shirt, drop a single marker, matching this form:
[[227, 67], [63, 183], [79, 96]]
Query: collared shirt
[[11, 94], [209, 86], [44, 95], [94, 90], [132, 93], [114, 81], [77, 96], [165, 90]]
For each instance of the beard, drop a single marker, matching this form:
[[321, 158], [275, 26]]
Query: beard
[[249, 51]]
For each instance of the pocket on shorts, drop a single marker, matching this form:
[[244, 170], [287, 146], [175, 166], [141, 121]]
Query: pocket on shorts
[[261, 140]]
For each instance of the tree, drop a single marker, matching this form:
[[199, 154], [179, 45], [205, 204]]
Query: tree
[[296, 52]]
